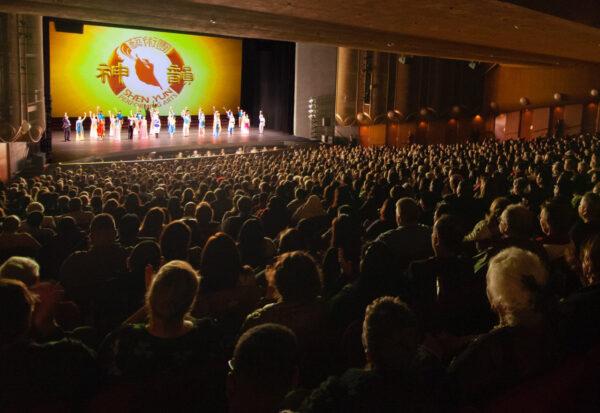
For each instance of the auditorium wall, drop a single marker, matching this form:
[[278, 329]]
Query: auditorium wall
[[505, 85], [315, 76]]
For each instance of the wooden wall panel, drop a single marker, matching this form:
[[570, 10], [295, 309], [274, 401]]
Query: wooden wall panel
[[505, 85], [540, 122], [573, 119], [511, 129]]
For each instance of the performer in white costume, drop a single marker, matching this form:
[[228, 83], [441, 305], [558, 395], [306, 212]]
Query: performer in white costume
[[93, 126], [111, 127], [187, 121], [136, 125], [230, 123], [79, 136], [155, 123], [201, 122], [261, 122], [216, 123], [171, 124]]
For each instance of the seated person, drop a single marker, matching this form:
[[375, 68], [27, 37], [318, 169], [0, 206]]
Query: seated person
[[263, 369], [296, 280], [521, 346], [171, 352], [55, 375], [391, 380]]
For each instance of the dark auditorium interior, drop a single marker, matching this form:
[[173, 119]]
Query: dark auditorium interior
[[401, 215]]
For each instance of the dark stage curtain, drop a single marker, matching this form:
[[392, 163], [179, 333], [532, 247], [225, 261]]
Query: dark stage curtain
[[268, 82]]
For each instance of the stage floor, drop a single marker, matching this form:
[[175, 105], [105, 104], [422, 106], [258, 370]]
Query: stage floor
[[123, 148]]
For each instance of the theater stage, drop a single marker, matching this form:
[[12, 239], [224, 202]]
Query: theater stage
[[123, 149]]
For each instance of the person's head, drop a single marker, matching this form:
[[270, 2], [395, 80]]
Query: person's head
[[11, 224], [145, 253], [244, 205], [175, 241], [172, 293], [589, 207], [129, 226], [296, 277], [17, 309], [204, 213], [515, 286], [189, 209], [153, 222], [555, 218], [386, 212], [390, 334], [263, 369], [516, 221], [34, 219], [75, 204], [497, 206], [447, 236], [407, 212], [375, 264], [23, 269], [290, 240], [220, 264], [590, 261], [102, 230]]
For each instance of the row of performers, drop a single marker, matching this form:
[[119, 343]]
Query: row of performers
[[138, 127]]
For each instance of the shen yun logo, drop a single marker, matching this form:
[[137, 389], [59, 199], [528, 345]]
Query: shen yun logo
[[145, 70]]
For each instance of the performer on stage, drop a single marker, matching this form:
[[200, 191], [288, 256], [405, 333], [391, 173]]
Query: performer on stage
[[261, 122], [111, 127], [240, 116], [136, 125], [171, 124], [79, 128], [100, 124], [143, 128], [118, 124], [216, 122], [66, 126], [245, 124], [130, 125], [230, 123], [93, 126], [187, 121], [155, 123], [201, 122]]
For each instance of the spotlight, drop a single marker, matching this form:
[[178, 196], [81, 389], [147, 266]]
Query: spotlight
[[402, 59], [594, 92], [524, 101], [472, 65], [557, 97]]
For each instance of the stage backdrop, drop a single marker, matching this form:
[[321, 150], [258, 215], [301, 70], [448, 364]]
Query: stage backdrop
[[119, 68]]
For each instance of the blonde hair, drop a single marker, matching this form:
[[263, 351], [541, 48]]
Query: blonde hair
[[23, 269], [515, 279], [173, 291]]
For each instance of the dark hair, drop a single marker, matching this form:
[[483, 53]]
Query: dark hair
[[559, 216], [175, 241], [296, 277], [102, 223], [252, 243], [244, 205], [144, 253], [204, 213], [390, 333], [291, 240], [153, 223], [449, 232], [220, 265], [35, 219], [266, 356]]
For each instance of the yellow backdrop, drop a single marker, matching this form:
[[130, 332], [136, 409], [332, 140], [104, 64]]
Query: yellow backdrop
[[119, 68]]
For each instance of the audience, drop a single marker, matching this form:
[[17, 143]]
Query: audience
[[376, 267]]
